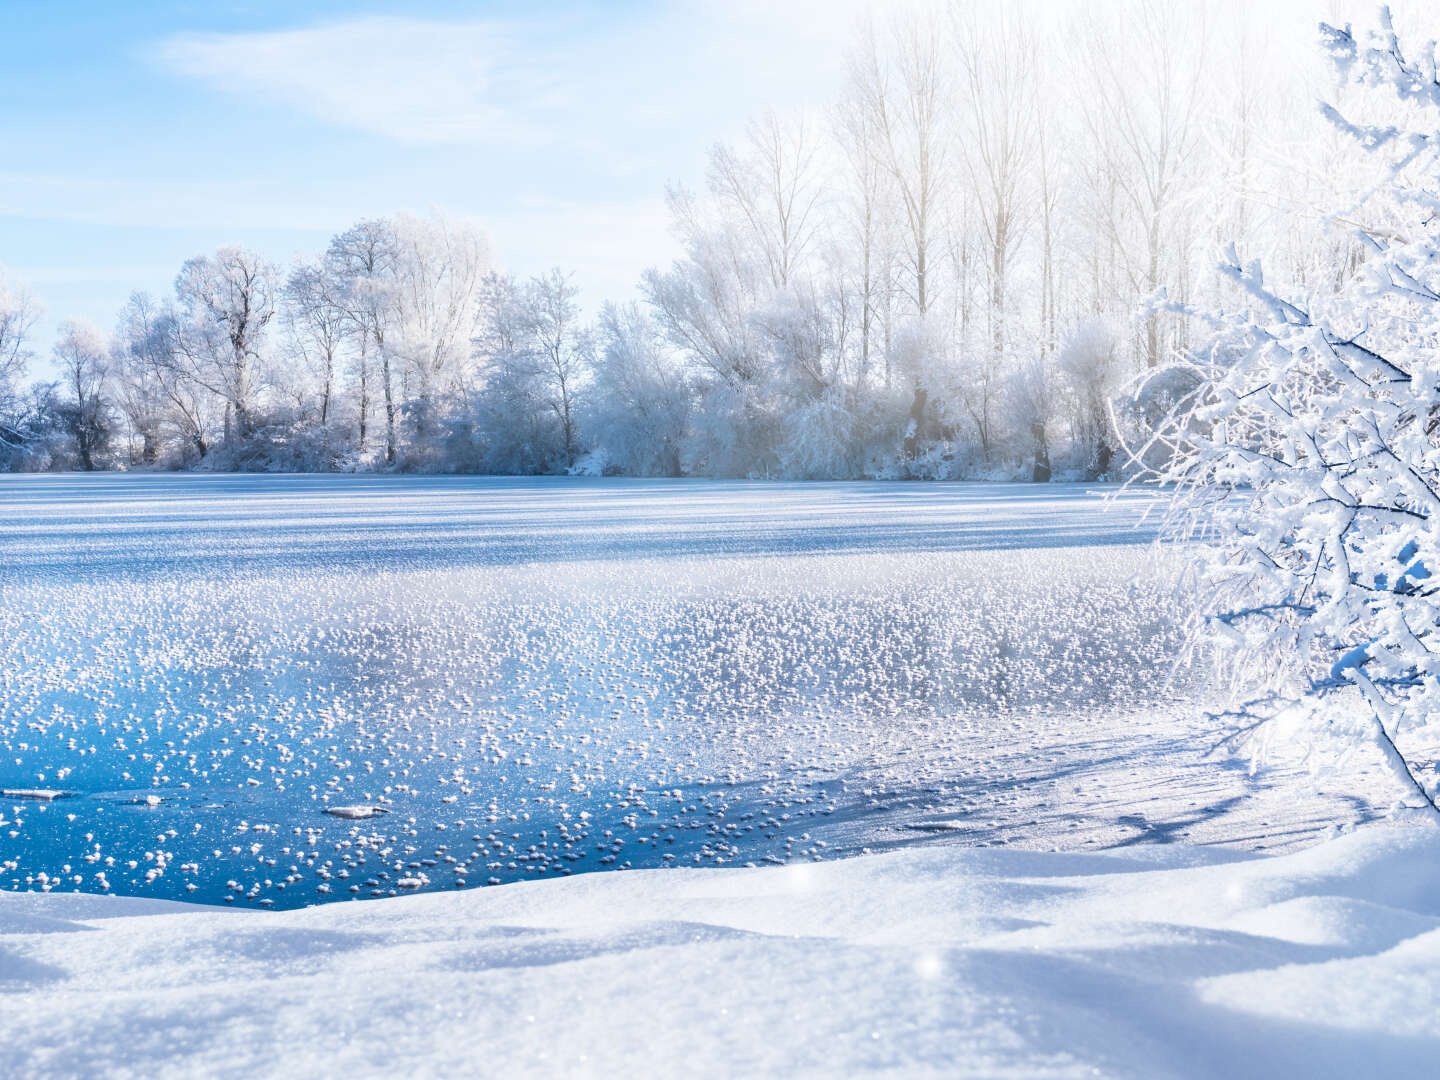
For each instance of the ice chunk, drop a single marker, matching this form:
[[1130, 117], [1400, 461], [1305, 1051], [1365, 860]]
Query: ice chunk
[[355, 813]]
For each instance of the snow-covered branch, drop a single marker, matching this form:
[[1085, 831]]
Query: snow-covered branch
[[1308, 466]]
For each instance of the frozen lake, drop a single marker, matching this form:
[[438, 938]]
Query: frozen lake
[[283, 690]]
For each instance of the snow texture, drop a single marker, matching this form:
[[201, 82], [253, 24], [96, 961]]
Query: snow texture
[[1162, 962]]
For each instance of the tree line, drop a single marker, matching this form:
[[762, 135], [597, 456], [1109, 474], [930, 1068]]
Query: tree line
[[935, 277]]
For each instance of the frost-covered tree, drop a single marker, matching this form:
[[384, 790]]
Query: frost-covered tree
[[18, 314], [1308, 459], [641, 401], [138, 391], [864, 227], [1033, 399], [805, 330], [706, 306], [904, 84], [882, 294], [362, 262], [1146, 71], [562, 347], [159, 400], [318, 329], [437, 272], [1000, 113], [82, 357], [533, 352], [705, 303], [226, 302]]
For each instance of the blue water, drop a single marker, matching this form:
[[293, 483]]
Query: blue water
[[526, 678]]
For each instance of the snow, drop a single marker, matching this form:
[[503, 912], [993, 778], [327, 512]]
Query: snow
[[1164, 961]]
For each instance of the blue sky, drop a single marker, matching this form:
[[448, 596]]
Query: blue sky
[[137, 135]]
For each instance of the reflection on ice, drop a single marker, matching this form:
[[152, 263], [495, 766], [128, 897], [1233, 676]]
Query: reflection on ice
[[282, 690]]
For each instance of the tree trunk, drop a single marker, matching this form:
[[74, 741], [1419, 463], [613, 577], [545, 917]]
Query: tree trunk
[[364, 396], [389, 408], [1041, 473], [917, 423]]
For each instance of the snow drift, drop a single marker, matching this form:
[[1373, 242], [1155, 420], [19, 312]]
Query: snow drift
[[1168, 961]]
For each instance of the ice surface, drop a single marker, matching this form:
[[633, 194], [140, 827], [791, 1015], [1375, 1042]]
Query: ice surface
[[537, 677], [946, 961]]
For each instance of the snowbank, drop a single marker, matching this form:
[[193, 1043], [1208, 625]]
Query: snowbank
[[1164, 961]]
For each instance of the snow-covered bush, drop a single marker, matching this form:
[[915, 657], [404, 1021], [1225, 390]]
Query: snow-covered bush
[[278, 442], [33, 439], [734, 432], [821, 439], [640, 408], [1307, 458]]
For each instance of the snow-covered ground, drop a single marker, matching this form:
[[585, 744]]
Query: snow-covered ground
[[1163, 961], [289, 691]]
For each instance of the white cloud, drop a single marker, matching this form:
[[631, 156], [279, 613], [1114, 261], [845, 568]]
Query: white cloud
[[412, 80], [606, 84]]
